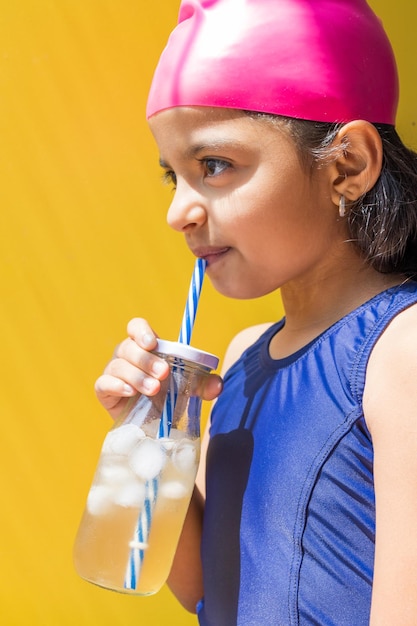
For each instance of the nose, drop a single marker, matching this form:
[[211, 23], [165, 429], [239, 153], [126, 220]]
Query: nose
[[187, 209]]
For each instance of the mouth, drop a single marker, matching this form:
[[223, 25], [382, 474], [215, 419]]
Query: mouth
[[210, 254]]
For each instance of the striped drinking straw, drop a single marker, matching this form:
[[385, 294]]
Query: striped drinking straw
[[187, 326], [190, 310], [140, 540]]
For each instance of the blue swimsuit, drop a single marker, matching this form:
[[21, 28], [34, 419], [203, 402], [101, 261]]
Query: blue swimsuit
[[289, 525]]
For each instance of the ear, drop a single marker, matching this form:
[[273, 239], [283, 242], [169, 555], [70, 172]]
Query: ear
[[358, 164]]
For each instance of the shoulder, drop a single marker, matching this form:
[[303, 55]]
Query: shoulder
[[390, 401], [399, 332], [392, 367], [241, 341]]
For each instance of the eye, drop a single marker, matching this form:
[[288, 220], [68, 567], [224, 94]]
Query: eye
[[169, 178], [215, 167]]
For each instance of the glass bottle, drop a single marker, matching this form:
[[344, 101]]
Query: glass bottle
[[144, 480]]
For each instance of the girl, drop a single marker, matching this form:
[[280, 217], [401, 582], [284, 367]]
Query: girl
[[275, 124]]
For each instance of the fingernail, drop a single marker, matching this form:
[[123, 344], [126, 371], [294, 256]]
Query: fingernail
[[148, 339], [149, 384], [158, 368], [127, 389]]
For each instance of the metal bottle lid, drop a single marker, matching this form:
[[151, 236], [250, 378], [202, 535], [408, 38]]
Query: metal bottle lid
[[188, 353]]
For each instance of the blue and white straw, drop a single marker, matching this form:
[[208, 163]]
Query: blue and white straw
[[187, 326], [190, 310], [139, 544], [140, 540], [168, 410]]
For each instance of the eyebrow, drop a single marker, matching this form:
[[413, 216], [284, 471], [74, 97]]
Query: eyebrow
[[196, 149]]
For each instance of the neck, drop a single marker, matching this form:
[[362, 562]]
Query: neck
[[312, 308]]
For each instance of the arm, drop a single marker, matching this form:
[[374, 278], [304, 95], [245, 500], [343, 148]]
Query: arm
[[390, 406], [186, 577]]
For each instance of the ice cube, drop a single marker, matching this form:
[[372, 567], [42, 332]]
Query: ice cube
[[175, 435], [174, 490], [166, 443], [122, 440], [147, 459], [132, 494], [113, 472], [99, 500], [185, 456]]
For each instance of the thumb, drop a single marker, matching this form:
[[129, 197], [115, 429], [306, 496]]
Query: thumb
[[213, 386]]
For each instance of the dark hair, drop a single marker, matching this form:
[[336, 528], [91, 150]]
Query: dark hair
[[383, 222]]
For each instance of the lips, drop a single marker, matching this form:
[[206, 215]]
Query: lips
[[210, 253]]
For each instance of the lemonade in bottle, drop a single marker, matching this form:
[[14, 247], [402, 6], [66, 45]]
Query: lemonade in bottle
[[144, 480]]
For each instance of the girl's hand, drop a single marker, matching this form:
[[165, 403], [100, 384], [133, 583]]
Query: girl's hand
[[134, 369]]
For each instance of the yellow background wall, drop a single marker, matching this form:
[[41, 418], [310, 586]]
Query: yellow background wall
[[83, 248]]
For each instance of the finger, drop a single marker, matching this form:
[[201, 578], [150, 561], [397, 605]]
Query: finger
[[213, 386], [113, 394], [107, 386], [148, 362], [133, 376], [141, 332]]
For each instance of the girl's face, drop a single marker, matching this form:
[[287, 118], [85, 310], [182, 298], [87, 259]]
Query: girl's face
[[244, 201]]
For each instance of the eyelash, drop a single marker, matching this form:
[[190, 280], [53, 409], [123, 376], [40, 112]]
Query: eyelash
[[170, 178]]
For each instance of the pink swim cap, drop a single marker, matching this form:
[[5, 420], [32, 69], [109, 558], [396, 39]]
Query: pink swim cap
[[322, 60]]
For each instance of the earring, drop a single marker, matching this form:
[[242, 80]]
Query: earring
[[342, 206]]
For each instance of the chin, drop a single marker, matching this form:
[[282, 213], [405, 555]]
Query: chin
[[240, 292]]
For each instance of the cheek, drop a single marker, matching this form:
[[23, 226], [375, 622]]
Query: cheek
[[282, 185], [267, 204]]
